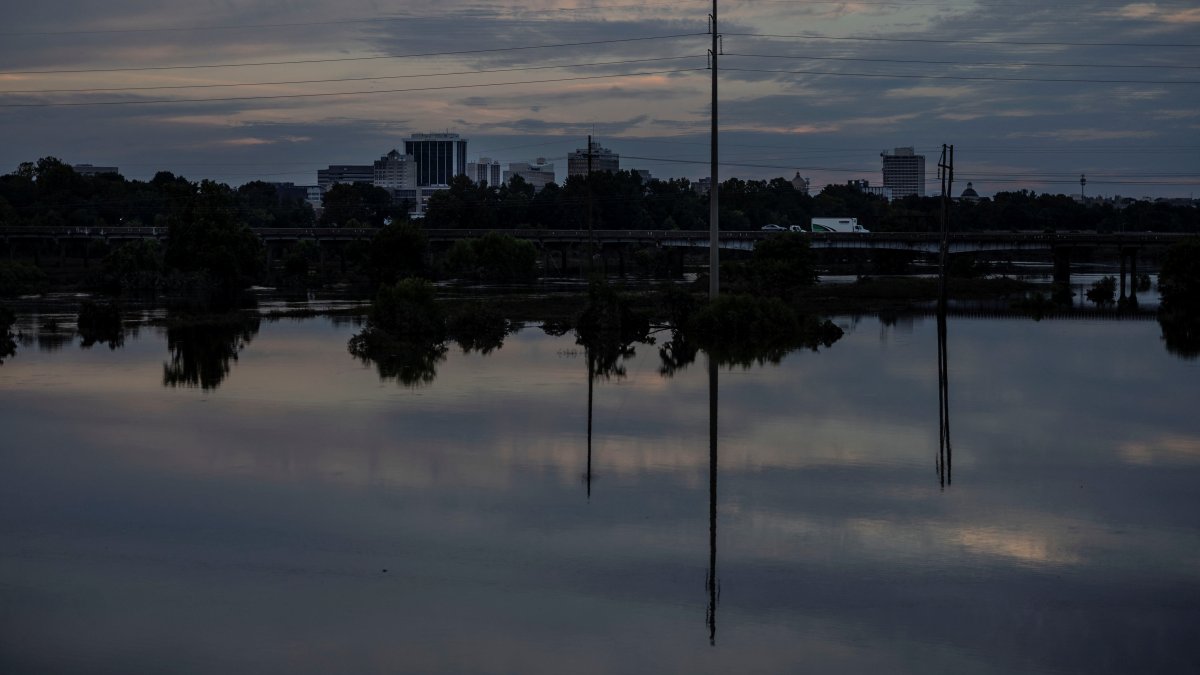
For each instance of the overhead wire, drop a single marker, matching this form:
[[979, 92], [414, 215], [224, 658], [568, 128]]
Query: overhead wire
[[340, 93], [351, 79], [376, 57]]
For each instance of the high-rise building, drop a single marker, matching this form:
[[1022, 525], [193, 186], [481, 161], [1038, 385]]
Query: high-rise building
[[395, 171], [602, 159], [344, 173], [904, 172], [538, 174], [484, 172], [439, 157]]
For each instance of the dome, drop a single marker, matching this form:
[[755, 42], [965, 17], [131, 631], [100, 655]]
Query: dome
[[970, 194]]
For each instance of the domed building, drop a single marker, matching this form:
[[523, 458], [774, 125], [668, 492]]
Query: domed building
[[969, 194]]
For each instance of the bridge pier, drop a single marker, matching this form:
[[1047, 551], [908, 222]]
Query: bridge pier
[[1062, 265]]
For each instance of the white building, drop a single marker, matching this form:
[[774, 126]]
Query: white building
[[395, 171], [602, 159], [904, 172], [538, 174], [484, 172], [344, 173]]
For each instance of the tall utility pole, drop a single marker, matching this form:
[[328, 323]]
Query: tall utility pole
[[714, 261], [946, 174], [591, 237]]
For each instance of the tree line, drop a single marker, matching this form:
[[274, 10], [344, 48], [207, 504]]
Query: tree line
[[49, 192]]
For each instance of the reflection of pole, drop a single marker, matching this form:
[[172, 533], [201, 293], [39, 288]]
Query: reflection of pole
[[711, 583], [945, 454], [946, 169], [591, 376]]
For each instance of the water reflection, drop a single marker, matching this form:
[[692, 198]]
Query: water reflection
[[1181, 333], [202, 348], [712, 584], [8, 343], [412, 362], [945, 455]]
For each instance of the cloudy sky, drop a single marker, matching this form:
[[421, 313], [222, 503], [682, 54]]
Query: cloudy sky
[[1031, 94]]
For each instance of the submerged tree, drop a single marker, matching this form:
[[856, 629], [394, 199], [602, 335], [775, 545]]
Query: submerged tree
[[8, 343], [1179, 283], [202, 348]]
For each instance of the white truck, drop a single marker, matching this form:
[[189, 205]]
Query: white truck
[[837, 225]]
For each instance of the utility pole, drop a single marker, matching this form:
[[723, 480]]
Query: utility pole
[[946, 174], [591, 237], [714, 261], [1082, 185]]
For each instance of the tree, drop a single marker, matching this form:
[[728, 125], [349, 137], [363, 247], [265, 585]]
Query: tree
[[207, 241], [363, 202], [397, 251], [1179, 277], [493, 257]]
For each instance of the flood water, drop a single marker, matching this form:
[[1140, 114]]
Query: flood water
[[269, 504]]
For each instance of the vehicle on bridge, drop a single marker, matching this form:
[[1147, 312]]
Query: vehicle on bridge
[[772, 227], [838, 225]]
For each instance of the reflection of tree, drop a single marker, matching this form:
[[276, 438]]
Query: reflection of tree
[[406, 335], [412, 361], [478, 328], [202, 348], [1181, 332], [744, 331], [8, 343], [1179, 282], [608, 329], [100, 322]]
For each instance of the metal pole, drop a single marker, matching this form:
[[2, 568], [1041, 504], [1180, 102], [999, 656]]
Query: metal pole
[[714, 262]]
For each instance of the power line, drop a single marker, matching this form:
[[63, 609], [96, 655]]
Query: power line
[[347, 79], [973, 78], [1025, 43], [461, 52], [1034, 64], [341, 93], [305, 24]]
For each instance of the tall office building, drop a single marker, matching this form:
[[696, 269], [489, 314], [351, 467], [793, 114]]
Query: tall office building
[[603, 159], [439, 157], [484, 172], [904, 172], [344, 173], [395, 171], [538, 174]]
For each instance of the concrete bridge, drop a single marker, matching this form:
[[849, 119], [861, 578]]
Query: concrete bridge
[[1059, 245]]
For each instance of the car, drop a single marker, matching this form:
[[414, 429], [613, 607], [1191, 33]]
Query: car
[[796, 228], [772, 227]]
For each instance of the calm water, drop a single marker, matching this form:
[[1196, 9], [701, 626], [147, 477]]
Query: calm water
[[165, 507]]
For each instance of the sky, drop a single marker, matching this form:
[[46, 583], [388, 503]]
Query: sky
[[1032, 95]]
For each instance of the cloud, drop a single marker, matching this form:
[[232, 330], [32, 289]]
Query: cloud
[[1077, 135]]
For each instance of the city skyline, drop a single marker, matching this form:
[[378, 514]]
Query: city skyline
[[1110, 93]]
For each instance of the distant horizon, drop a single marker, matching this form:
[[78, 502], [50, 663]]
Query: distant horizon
[[1031, 95]]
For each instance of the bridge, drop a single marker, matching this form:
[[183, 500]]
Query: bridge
[[1059, 245], [925, 242]]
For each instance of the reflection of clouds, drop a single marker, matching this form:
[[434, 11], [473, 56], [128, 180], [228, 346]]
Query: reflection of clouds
[[774, 535], [1021, 546], [1164, 450]]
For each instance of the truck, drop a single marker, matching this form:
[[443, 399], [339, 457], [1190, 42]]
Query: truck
[[837, 225]]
